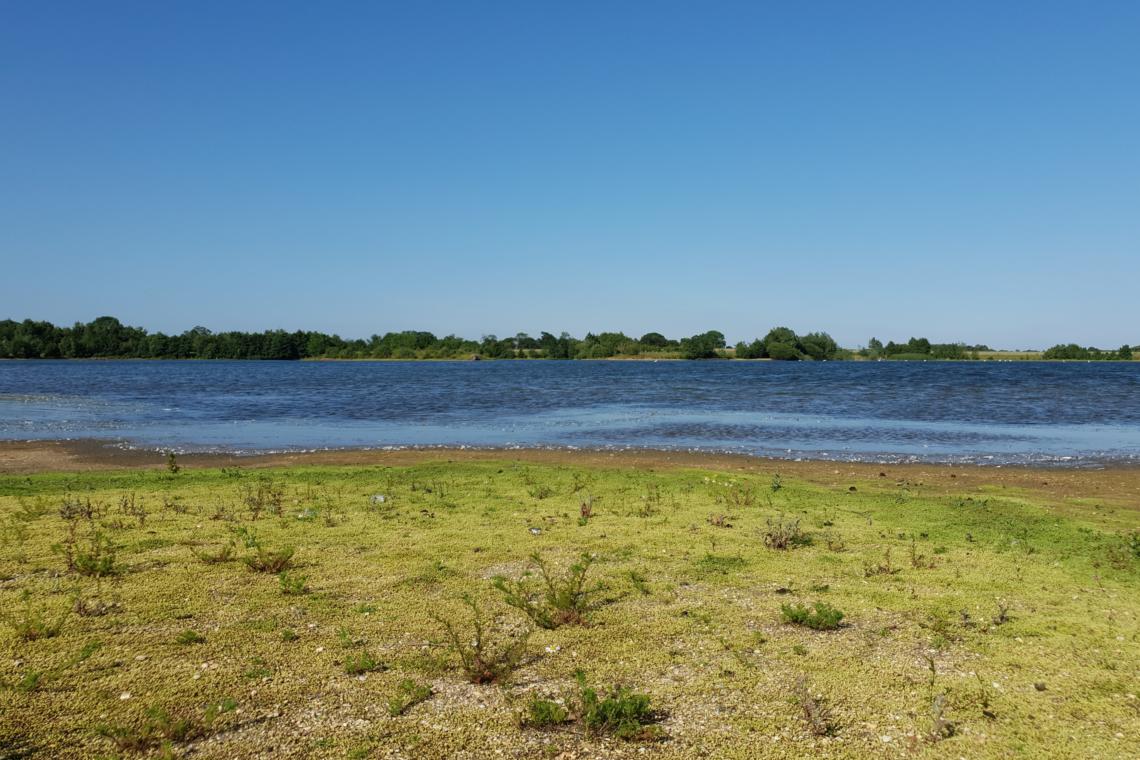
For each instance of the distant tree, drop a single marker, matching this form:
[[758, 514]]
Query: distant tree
[[783, 352], [753, 350], [703, 346], [654, 340], [1125, 352], [782, 343], [819, 346]]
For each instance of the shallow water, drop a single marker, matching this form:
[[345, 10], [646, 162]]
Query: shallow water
[[1073, 414]]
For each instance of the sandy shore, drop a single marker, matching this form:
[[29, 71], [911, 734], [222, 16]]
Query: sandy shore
[[1119, 485]]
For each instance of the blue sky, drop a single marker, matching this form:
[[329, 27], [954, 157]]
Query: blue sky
[[965, 171]]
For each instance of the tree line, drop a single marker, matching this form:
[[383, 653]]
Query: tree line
[[107, 337]]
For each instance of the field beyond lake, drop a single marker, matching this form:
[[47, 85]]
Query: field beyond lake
[[628, 605]]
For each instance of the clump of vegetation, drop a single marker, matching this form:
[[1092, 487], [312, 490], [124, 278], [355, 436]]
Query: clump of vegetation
[[292, 584], [132, 506], [585, 510], [621, 712], [266, 495], [940, 727], [814, 712], [33, 621], [190, 636], [821, 616], [93, 556], [871, 569], [408, 695], [159, 728], [265, 560], [218, 556], [362, 662], [719, 521], [544, 713], [784, 535], [485, 657], [172, 465], [558, 600]]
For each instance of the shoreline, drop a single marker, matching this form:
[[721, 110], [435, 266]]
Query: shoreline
[[1119, 484]]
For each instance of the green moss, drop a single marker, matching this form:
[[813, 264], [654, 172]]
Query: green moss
[[682, 611]]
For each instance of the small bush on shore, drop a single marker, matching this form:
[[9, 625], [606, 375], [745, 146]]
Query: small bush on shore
[[485, 657], [821, 616], [558, 601]]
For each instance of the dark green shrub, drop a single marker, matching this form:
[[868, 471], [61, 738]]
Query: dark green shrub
[[821, 616], [622, 712], [190, 637], [542, 713]]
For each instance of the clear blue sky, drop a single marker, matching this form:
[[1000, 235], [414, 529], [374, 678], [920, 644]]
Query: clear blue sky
[[965, 171]]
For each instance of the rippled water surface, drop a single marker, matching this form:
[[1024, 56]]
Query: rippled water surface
[[1020, 412]]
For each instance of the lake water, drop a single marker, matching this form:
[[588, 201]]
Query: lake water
[[1071, 414]]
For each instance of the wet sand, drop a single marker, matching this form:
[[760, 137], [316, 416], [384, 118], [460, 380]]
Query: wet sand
[[1118, 485]]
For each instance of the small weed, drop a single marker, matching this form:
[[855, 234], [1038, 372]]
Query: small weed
[[783, 534], [291, 584], [189, 636], [819, 617], [172, 465], [485, 657], [289, 634], [557, 601], [408, 695], [159, 728], [719, 521], [33, 622], [815, 713], [207, 557], [622, 712], [940, 727], [270, 561], [362, 662], [1002, 617], [639, 581], [799, 649], [543, 713], [871, 569]]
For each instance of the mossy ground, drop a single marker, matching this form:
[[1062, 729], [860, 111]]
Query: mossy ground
[[690, 614]]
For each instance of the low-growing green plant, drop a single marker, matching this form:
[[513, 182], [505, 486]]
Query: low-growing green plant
[[785, 534], [821, 616], [408, 695], [93, 556], [362, 662], [159, 728], [543, 713], [557, 601], [190, 636], [885, 567], [33, 622], [265, 560], [640, 582], [218, 556], [622, 712], [485, 657], [292, 584], [289, 635]]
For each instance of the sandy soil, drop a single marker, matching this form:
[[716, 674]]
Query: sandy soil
[[1119, 485]]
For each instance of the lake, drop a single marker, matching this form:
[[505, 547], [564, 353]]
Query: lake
[[1065, 414]]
